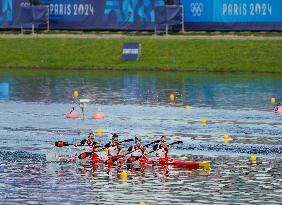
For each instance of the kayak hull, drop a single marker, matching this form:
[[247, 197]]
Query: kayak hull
[[181, 164], [177, 163], [164, 161]]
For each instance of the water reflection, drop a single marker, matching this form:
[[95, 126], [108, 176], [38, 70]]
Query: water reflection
[[153, 88], [231, 180], [4, 91]]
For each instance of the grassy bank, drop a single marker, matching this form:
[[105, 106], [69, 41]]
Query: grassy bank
[[157, 54]]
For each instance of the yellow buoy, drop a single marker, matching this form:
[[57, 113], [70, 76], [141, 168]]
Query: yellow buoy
[[273, 100], [226, 137], [99, 132], [204, 121], [253, 158], [187, 107], [171, 97], [141, 203], [123, 175], [75, 93]]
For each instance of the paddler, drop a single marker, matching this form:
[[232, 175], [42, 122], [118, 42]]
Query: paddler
[[161, 148], [277, 107], [113, 146], [89, 141], [136, 151]]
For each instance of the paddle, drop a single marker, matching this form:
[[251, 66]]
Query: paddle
[[87, 154], [154, 142], [133, 159], [63, 144], [116, 158], [173, 143]]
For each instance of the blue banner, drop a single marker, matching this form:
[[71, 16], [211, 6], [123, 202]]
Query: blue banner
[[87, 14], [6, 11], [168, 15], [102, 14], [198, 10], [247, 11], [232, 10], [233, 14], [140, 14], [34, 14], [11, 13]]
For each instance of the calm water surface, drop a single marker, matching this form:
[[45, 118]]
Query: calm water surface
[[136, 103]]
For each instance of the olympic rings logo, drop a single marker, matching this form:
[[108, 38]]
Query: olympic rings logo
[[197, 9], [25, 4]]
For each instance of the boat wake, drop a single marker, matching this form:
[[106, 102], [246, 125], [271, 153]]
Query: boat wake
[[24, 156], [235, 148], [21, 156]]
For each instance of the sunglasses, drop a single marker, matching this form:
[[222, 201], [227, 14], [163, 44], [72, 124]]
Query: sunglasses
[[163, 140]]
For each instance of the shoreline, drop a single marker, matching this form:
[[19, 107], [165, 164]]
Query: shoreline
[[136, 70], [219, 53]]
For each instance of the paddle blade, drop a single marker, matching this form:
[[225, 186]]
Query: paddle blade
[[84, 155], [133, 159], [61, 144], [154, 142], [109, 161], [113, 159], [177, 142], [128, 140]]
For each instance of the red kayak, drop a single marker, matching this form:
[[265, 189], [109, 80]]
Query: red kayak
[[67, 159], [190, 165], [162, 161], [94, 158], [176, 163]]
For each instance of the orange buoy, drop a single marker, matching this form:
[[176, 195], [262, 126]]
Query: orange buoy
[[72, 114], [278, 109], [98, 115]]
